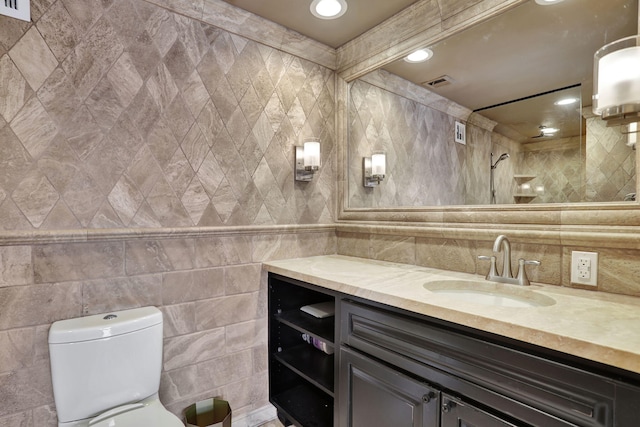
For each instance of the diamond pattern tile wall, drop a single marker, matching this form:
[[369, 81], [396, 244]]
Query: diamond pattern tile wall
[[424, 164], [124, 114], [611, 169], [560, 172]]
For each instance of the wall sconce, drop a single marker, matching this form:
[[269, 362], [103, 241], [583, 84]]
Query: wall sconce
[[616, 92], [375, 168], [307, 159]]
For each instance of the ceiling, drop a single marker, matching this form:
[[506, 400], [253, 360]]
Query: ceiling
[[361, 16]]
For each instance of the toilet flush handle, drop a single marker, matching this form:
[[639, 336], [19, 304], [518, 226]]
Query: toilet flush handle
[[116, 411]]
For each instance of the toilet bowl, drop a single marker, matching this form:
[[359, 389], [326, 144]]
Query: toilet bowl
[[106, 370]]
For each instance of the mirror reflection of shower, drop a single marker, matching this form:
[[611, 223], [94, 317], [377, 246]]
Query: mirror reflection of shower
[[492, 186]]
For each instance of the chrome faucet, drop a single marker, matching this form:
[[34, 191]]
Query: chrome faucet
[[502, 243]]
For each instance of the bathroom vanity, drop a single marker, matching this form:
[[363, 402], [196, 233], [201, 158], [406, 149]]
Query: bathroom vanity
[[405, 354]]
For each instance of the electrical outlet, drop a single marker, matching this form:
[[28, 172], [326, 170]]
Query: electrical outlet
[[584, 268]]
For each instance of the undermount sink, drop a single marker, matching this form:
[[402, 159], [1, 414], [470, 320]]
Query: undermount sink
[[489, 293]]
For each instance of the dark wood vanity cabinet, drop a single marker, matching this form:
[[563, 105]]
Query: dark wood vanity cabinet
[[395, 368], [475, 380]]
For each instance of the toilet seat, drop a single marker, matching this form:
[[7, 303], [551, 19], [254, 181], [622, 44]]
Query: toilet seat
[[148, 413]]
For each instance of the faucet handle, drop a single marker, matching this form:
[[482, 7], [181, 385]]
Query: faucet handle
[[522, 278], [492, 269]]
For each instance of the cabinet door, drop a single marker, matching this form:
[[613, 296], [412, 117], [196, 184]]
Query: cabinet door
[[377, 395], [460, 414]]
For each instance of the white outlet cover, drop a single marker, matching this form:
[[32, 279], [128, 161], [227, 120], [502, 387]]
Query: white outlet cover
[[593, 277]]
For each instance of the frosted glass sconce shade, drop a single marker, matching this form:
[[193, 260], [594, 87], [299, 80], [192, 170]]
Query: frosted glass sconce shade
[[311, 155], [307, 159], [374, 169], [616, 95]]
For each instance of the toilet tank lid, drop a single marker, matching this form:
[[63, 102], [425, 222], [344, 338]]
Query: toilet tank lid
[[103, 325]]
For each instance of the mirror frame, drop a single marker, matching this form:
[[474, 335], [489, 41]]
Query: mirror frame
[[425, 23]]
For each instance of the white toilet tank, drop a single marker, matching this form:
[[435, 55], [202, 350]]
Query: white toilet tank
[[103, 361]]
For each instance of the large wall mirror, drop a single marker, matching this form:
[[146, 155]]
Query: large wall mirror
[[521, 83]]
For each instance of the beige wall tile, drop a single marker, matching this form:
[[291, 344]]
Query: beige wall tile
[[16, 349], [15, 266], [225, 311], [246, 335], [106, 295], [353, 244], [457, 255], [58, 30], [242, 278], [25, 389], [21, 419], [35, 197], [226, 369], [33, 126], [180, 383], [193, 285], [219, 251], [39, 304], [41, 345], [154, 256], [393, 248], [550, 269], [64, 262], [189, 349], [270, 247], [13, 87], [260, 359], [179, 319], [34, 58], [45, 416]]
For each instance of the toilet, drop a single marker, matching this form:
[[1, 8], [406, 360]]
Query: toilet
[[106, 370]]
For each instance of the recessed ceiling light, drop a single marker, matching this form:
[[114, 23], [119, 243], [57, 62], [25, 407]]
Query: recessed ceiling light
[[566, 101], [328, 9], [547, 2], [419, 55], [549, 131]]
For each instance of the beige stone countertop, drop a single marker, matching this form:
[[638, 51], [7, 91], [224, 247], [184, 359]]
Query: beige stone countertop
[[593, 325]]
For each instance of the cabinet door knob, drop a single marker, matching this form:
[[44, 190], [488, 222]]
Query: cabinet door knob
[[427, 397], [447, 405]]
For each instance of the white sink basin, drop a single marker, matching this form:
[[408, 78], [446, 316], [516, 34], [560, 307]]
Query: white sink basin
[[489, 293]]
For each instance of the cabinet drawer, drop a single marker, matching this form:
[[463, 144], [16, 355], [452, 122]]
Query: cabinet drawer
[[527, 387]]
